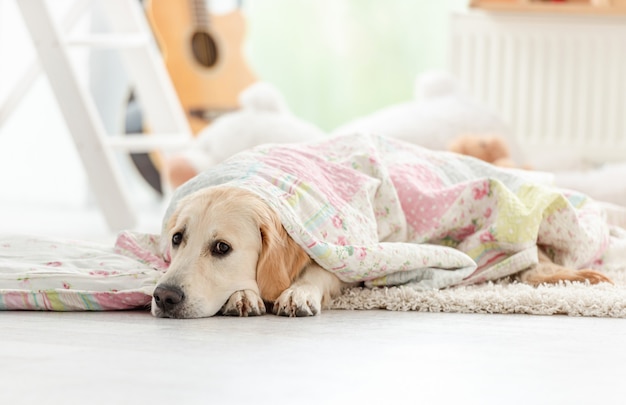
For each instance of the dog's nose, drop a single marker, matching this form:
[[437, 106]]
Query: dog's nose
[[168, 297]]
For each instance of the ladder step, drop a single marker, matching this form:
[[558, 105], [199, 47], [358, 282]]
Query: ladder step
[[116, 41], [149, 142]]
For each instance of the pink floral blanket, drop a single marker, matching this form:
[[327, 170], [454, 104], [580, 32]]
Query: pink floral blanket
[[54, 274]]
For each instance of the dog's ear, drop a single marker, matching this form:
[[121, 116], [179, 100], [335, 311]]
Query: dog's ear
[[281, 259]]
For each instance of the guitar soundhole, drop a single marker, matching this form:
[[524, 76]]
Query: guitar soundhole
[[204, 49]]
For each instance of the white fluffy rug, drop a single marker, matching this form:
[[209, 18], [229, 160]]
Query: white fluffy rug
[[502, 297]]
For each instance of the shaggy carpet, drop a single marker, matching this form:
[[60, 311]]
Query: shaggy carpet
[[505, 296]]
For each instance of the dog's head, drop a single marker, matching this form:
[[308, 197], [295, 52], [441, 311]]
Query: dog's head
[[224, 239]]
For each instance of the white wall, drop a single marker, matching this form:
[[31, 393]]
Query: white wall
[[37, 159]]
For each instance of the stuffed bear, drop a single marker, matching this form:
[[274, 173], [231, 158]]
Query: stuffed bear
[[490, 148], [263, 118]]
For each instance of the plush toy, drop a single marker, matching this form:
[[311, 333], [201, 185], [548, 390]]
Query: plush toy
[[490, 148], [440, 113], [263, 118]]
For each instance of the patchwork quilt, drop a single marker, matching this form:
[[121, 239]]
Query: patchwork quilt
[[365, 207], [385, 212]]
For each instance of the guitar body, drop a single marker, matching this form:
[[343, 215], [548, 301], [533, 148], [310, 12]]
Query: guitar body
[[203, 57]]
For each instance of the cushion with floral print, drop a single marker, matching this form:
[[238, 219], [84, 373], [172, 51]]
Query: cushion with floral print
[[53, 274]]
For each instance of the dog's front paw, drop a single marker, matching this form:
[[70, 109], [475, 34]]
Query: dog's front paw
[[244, 303], [298, 301]]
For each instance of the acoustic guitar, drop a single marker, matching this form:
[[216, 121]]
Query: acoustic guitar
[[204, 58], [203, 55]]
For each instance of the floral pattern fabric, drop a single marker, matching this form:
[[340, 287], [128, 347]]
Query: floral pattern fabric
[[38, 273]]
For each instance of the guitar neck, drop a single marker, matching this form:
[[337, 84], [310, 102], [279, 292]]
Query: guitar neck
[[200, 13]]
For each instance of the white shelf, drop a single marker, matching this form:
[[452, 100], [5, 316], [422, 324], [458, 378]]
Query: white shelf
[[116, 41], [138, 143]]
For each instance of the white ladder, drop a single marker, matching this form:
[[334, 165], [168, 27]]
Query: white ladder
[[131, 36]]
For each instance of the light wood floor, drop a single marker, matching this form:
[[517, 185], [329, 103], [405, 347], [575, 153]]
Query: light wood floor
[[345, 357]]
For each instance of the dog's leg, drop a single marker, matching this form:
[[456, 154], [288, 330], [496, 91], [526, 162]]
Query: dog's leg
[[244, 303], [548, 272], [314, 288]]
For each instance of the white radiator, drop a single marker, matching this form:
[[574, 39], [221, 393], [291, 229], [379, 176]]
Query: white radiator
[[559, 81]]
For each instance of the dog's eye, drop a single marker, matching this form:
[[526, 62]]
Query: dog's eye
[[177, 239], [220, 248]]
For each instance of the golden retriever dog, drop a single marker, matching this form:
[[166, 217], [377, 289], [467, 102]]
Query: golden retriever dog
[[231, 255]]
